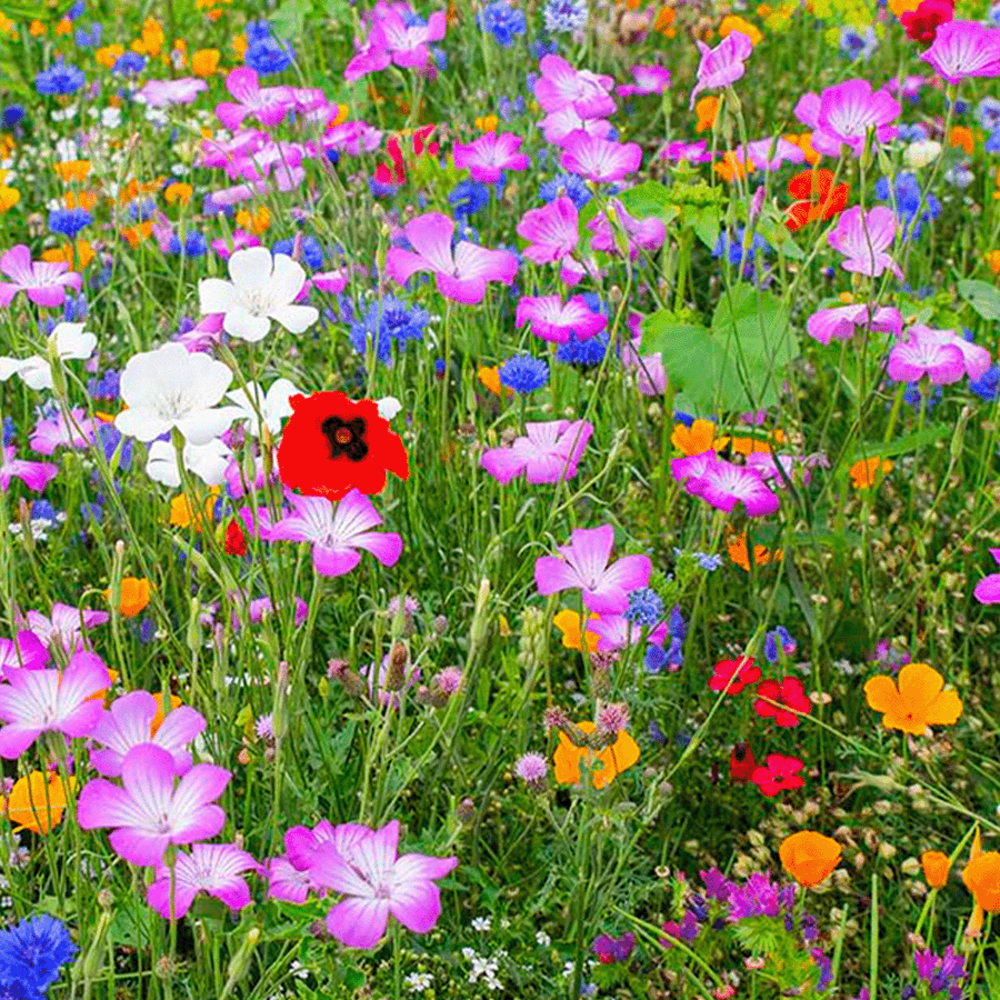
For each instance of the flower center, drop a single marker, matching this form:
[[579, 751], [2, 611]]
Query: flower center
[[346, 437]]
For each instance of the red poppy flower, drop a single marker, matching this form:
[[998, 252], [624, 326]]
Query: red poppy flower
[[332, 444], [780, 700], [922, 24], [778, 774], [236, 539], [741, 764], [742, 672], [819, 198]]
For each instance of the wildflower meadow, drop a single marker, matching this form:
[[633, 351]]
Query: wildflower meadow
[[498, 499]]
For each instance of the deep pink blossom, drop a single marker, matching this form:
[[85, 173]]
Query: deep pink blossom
[[556, 126], [62, 433], [24, 651], [599, 160], [552, 232], [864, 238], [559, 85], [942, 355], [35, 475], [642, 234], [648, 80], [554, 320], [964, 48], [842, 322], [616, 632], [988, 589], [269, 105], [723, 65], [216, 869], [490, 155], [768, 154], [549, 453], [288, 883], [843, 115], [45, 284], [725, 485], [688, 152], [392, 40]]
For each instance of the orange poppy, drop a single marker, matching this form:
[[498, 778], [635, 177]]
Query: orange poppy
[[256, 222], [982, 879], [804, 141], [134, 596], [961, 137], [707, 110], [108, 55], [819, 198], [73, 170], [136, 234], [36, 803], [175, 702], [613, 760], [177, 193], [867, 471], [936, 867], [809, 857], [736, 546], [694, 440], [731, 168], [205, 62], [568, 623], [918, 702]]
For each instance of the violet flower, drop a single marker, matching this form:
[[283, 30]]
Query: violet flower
[[548, 454], [559, 85], [864, 238], [641, 234], [841, 322], [552, 232], [490, 155], [599, 160], [962, 49], [65, 626], [34, 475], [216, 869], [25, 651], [45, 284], [555, 320], [723, 65], [617, 632], [988, 589], [269, 105]]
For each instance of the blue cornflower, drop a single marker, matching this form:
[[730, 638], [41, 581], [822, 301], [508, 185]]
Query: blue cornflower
[[677, 627], [542, 47], [129, 62], [468, 197], [60, 79], [645, 607], [988, 113], [440, 57], [109, 438], [269, 56], [524, 374], [745, 257], [141, 209], [75, 308], [194, 245], [108, 386], [655, 733], [385, 323], [9, 430], [993, 14], [572, 186], [565, 15], [908, 203], [855, 44], [585, 353], [89, 38], [33, 951], [985, 387], [257, 31], [778, 640], [12, 114], [992, 144], [310, 251], [503, 22], [655, 659], [913, 133], [17, 990], [147, 630], [511, 108], [69, 221], [675, 653]]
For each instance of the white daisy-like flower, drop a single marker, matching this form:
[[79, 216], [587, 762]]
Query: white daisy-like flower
[[273, 405], [206, 461]]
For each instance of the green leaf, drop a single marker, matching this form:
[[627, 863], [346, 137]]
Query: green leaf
[[911, 442], [650, 198], [705, 221], [289, 20], [982, 296]]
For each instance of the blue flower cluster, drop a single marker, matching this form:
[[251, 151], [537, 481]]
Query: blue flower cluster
[[503, 22], [60, 79], [731, 248], [572, 186], [391, 321], [911, 210], [265, 53], [310, 251], [31, 954]]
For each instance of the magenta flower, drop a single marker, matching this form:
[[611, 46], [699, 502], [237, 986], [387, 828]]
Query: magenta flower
[[268, 104], [642, 234], [490, 155], [337, 531], [723, 65], [584, 564], [988, 589], [25, 651], [767, 465], [933, 353], [648, 80], [129, 724], [302, 845], [377, 883], [217, 869], [288, 883], [689, 152], [33, 702], [554, 320], [548, 454], [589, 94], [864, 238], [725, 485], [460, 274], [616, 632], [650, 372], [769, 154], [842, 116], [161, 93], [692, 466], [65, 627], [599, 159], [841, 322], [35, 475], [557, 125], [552, 232], [149, 813], [962, 49], [62, 433], [45, 284]]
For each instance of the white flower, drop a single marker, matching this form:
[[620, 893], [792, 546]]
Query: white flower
[[67, 149], [418, 982], [920, 154], [273, 405], [206, 461], [543, 939], [63, 114], [169, 388], [68, 342], [481, 923], [388, 407], [263, 288]]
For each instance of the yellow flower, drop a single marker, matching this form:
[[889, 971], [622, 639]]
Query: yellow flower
[[568, 623], [73, 170], [77, 258], [695, 439], [36, 28], [135, 596], [178, 193], [152, 37], [205, 62], [36, 803], [108, 55], [240, 46], [488, 123], [993, 259], [256, 223], [181, 514], [733, 23], [9, 197], [903, 6]]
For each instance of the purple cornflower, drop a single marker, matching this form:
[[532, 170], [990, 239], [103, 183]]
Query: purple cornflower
[[216, 869], [549, 453], [723, 65]]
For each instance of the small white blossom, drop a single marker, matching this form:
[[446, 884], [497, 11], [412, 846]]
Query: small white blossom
[[418, 982], [482, 924]]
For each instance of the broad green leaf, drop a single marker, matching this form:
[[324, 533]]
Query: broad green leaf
[[911, 442], [705, 221], [648, 199], [982, 296], [290, 19]]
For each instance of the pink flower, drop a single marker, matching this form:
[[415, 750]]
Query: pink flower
[[723, 65], [988, 589], [557, 125], [642, 234], [490, 155], [769, 154], [216, 869], [268, 104], [24, 651], [35, 475], [33, 702], [160, 93], [652, 376], [288, 883], [62, 433], [940, 354], [599, 159], [552, 232], [690, 152], [376, 882], [149, 813], [616, 632], [692, 466], [863, 238], [460, 274], [65, 628], [337, 531], [392, 40], [589, 94], [548, 454], [44, 284], [648, 80], [554, 320], [725, 485], [841, 322], [842, 116], [584, 564], [964, 48]]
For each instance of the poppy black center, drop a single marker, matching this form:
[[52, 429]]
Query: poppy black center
[[346, 437]]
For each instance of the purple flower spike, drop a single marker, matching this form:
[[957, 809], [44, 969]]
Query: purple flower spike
[[337, 531], [864, 238], [988, 589], [964, 48], [45, 284], [723, 65], [552, 231], [149, 814], [584, 564], [599, 159], [550, 451], [35, 475], [555, 320], [724, 485], [217, 869], [490, 155]]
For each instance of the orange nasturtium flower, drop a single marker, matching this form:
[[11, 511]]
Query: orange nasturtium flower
[[36, 803], [917, 703], [809, 857], [135, 596], [867, 471], [487, 123], [694, 440], [614, 760], [982, 878], [175, 702], [568, 622], [936, 867], [177, 193]]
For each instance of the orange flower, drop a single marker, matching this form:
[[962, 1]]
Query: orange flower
[[804, 142], [867, 471], [64, 26], [487, 123], [568, 622], [614, 760], [902, 6], [490, 377], [108, 55], [730, 168], [240, 46], [982, 879], [175, 702], [9, 197], [73, 170], [83, 254], [918, 702], [749, 445], [737, 548], [205, 62], [81, 199], [993, 259], [960, 137], [664, 22], [135, 596], [695, 439], [707, 110], [733, 23], [182, 514], [152, 38], [36, 28], [809, 857], [36, 803], [256, 223], [178, 193], [936, 867]]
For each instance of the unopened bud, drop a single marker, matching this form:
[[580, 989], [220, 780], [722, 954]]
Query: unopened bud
[[466, 811], [239, 965]]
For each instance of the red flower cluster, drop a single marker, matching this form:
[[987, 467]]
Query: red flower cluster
[[782, 701], [820, 199], [922, 24], [396, 173], [236, 539], [778, 774], [738, 674]]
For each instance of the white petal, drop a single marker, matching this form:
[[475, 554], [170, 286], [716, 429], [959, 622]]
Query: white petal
[[141, 422], [251, 268], [295, 319], [239, 323], [215, 295]]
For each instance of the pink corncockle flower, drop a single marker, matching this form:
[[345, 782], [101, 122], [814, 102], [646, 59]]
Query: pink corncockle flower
[[161, 93], [288, 883], [692, 466], [841, 322], [33, 702], [217, 869], [48, 435], [226, 247], [330, 282], [616, 632], [302, 845], [24, 652], [843, 115], [648, 368], [269, 105], [353, 138], [724, 485], [648, 80], [45, 284], [599, 160], [864, 238], [376, 883], [66, 626], [723, 65], [557, 125], [149, 813], [572, 271], [908, 87], [549, 453], [977, 359], [490, 155], [642, 234], [768, 467], [554, 320], [34, 475], [559, 85], [584, 564], [460, 274], [768, 154], [257, 165], [391, 40], [688, 152], [988, 589], [129, 724], [337, 530], [943, 355], [261, 606], [964, 48], [552, 231]]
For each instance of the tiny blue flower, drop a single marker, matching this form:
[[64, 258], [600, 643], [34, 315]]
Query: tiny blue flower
[[645, 607]]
